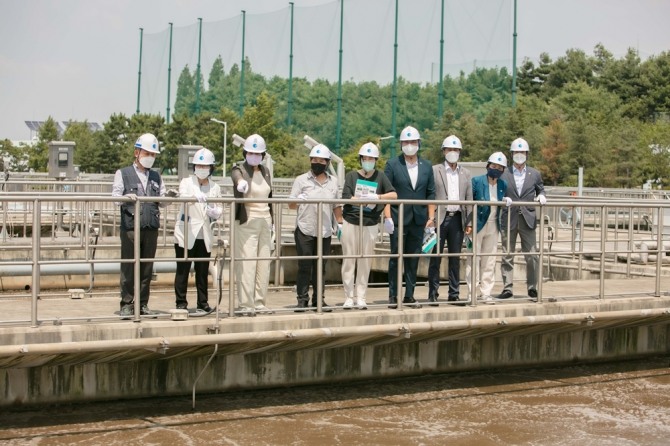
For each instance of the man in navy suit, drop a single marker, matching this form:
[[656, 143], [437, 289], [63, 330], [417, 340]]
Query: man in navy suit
[[523, 184], [412, 178]]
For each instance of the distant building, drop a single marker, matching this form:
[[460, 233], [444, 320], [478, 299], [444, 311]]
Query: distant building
[[61, 126]]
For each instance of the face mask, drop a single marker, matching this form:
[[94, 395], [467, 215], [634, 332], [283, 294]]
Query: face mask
[[519, 158], [368, 166], [410, 149], [147, 161], [452, 157], [318, 168], [202, 173], [254, 159], [494, 173]]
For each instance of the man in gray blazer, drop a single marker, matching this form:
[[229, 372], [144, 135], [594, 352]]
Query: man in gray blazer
[[412, 178], [452, 183], [523, 184]]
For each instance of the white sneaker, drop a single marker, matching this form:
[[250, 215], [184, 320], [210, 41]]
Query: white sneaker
[[348, 303], [488, 300], [360, 303], [263, 309], [245, 311]]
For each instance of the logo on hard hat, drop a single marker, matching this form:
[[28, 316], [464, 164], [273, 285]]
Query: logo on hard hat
[[409, 133], [520, 145]]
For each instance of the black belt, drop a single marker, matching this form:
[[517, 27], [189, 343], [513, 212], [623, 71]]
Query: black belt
[[451, 214]]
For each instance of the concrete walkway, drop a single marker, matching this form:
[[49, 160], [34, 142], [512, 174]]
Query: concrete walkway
[[104, 305]]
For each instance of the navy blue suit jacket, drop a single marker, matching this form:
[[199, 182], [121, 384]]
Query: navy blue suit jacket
[[396, 171]]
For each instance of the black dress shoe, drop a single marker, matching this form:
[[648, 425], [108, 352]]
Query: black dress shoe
[[454, 300], [302, 306], [532, 292], [324, 307], [410, 301], [145, 311], [393, 302], [433, 301], [506, 294], [182, 306], [126, 312]]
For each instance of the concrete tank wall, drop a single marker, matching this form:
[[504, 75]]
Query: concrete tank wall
[[297, 364]]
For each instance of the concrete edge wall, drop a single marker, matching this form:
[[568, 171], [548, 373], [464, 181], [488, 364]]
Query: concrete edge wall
[[362, 358]]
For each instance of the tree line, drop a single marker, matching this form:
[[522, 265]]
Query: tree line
[[609, 115]]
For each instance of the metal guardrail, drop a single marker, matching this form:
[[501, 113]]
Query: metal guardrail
[[599, 229]]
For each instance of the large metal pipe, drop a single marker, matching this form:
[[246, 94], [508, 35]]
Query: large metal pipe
[[77, 268], [403, 329]]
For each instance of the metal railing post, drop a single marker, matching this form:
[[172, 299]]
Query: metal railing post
[[278, 241], [231, 264], [401, 247], [603, 241], [474, 269], [659, 253], [540, 275], [37, 215], [137, 260], [318, 292]]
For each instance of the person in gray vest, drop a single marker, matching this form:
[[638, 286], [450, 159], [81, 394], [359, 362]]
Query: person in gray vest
[[138, 180]]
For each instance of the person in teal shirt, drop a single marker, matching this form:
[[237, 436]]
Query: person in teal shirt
[[488, 187]]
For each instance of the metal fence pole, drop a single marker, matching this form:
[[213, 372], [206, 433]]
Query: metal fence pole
[[401, 247], [37, 215]]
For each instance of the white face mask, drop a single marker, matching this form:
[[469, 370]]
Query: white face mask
[[410, 149], [202, 173], [519, 158], [147, 161], [368, 166], [452, 156], [254, 159]]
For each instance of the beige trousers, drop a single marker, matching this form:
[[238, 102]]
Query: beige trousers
[[252, 239], [357, 240], [487, 241]]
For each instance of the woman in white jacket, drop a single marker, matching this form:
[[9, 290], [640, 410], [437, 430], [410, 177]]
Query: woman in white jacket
[[197, 231]]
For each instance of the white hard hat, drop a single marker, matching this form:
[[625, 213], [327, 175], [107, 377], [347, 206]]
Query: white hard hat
[[204, 157], [320, 151], [409, 133], [519, 145], [369, 149], [254, 144], [148, 142], [452, 142], [498, 158]]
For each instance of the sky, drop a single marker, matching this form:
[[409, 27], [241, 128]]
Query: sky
[[78, 59]]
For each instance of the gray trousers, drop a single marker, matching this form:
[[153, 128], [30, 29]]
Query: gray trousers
[[528, 245]]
